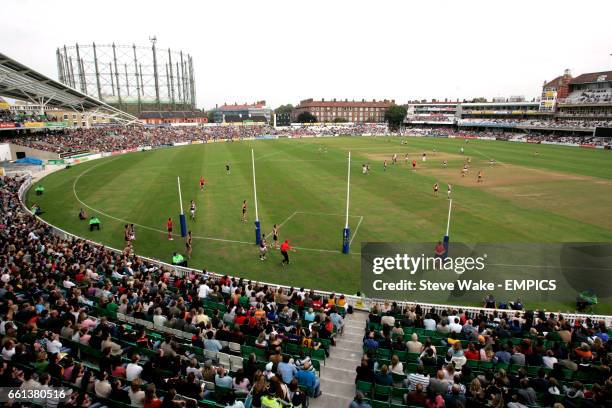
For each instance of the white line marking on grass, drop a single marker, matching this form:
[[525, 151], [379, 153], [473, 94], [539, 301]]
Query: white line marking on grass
[[324, 213], [318, 250], [356, 229], [283, 223]]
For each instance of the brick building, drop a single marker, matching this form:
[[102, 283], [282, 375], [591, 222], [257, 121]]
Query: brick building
[[587, 96], [350, 111]]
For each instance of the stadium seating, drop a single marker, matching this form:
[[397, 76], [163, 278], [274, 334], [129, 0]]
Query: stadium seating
[[589, 96], [514, 360]]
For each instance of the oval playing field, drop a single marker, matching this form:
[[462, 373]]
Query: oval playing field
[[560, 194]]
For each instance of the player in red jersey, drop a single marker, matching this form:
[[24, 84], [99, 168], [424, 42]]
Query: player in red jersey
[[202, 182], [169, 227], [414, 165]]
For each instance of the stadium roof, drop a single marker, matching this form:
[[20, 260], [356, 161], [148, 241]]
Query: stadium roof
[[605, 76], [554, 83], [18, 81]]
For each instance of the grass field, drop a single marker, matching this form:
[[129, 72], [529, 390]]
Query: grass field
[[562, 194]]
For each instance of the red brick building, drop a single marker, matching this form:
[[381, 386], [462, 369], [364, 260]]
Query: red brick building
[[350, 111]]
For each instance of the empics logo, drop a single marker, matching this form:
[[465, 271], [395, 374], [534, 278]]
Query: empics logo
[[411, 264]]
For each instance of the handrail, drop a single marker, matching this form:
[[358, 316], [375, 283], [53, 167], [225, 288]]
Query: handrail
[[357, 302]]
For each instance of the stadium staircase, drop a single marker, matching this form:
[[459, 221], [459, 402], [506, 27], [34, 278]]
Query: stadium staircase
[[338, 374]]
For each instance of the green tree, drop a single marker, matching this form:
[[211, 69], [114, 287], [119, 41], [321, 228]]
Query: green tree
[[340, 120], [211, 116], [479, 100], [284, 109], [395, 115], [306, 117]]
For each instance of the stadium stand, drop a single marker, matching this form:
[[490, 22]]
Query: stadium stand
[[108, 139], [111, 139], [549, 124], [589, 96], [416, 357]]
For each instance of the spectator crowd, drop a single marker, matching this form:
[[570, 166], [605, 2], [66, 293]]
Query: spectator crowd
[[454, 359]]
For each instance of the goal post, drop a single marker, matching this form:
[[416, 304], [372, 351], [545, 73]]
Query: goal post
[[182, 218], [346, 232], [447, 236], [257, 223]]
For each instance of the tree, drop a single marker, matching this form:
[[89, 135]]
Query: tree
[[340, 120], [306, 117], [395, 115], [211, 116], [479, 100], [284, 109]]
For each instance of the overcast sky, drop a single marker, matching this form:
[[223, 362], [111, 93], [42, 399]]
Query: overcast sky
[[284, 51]]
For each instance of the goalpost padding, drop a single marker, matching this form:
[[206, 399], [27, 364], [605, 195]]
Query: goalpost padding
[[183, 225]]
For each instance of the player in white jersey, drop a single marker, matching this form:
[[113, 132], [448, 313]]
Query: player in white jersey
[[192, 210]]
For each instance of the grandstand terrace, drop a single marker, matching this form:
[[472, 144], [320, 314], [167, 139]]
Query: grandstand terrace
[[234, 113], [431, 112], [589, 97]]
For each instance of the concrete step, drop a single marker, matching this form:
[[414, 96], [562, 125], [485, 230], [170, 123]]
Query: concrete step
[[349, 342], [330, 401], [350, 354], [338, 374], [350, 331], [342, 363], [339, 388], [355, 324]]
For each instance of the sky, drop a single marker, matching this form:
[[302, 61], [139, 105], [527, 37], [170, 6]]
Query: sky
[[284, 51]]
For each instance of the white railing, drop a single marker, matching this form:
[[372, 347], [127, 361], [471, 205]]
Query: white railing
[[357, 302]]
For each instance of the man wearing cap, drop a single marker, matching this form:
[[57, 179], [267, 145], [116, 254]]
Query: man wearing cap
[[268, 373]]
